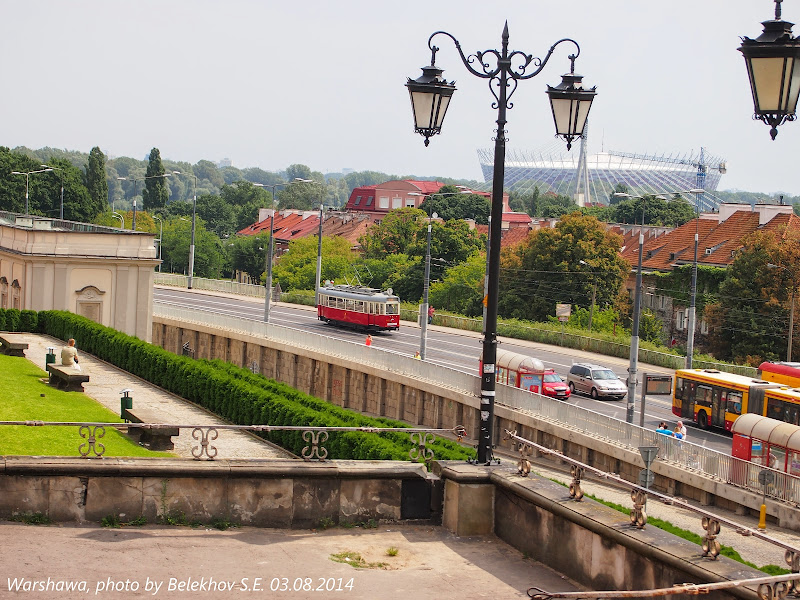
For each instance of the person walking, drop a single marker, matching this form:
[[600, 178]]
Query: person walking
[[431, 310], [681, 428], [368, 341]]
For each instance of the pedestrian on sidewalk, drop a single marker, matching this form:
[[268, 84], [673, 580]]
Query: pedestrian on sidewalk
[[431, 310], [368, 341], [681, 428]]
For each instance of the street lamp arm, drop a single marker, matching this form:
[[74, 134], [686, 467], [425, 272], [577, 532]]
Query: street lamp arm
[[501, 61]]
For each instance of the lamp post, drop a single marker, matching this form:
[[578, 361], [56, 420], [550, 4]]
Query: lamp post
[[423, 335], [134, 180], [61, 172], [430, 96], [121, 219], [693, 298], [637, 306], [791, 308], [27, 180], [773, 62], [594, 292]]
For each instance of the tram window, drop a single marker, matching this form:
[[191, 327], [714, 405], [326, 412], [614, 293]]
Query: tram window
[[734, 403], [392, 308], [351, 304], [775, 409], [359, 306], [340, 303]]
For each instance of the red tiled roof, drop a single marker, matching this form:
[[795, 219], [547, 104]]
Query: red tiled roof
[[515, 217]]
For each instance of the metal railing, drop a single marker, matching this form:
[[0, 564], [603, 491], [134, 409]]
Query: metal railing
[[679, 453], [93, 432], [211, 285]]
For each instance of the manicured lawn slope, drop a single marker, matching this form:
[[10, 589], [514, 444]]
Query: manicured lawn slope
[[24, 397]]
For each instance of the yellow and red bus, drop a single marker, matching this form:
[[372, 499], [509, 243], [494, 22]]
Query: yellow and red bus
[[713, 398], [787, 373]]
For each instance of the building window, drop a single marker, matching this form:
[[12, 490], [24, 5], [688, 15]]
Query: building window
[[369, 200], [358, 201], [410, 203], [397, 202], [680, 320], [383, 202], [662, 302]]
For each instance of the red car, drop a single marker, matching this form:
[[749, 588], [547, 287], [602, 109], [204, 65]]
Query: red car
[[554, 386]]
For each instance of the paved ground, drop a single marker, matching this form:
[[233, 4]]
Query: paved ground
[[430, 563]]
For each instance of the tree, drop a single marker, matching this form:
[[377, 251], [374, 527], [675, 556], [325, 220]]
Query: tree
[[460, 289], [394, 234], [302, 196], [96, 182], [208, 254], [298, 172], [220, 215], [297, 269], [546, 268], [450, 203], [750, 319], [241, 193], [154, 194], [248, 254], [208, 175]]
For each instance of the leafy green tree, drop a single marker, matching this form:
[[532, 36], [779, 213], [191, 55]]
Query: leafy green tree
[[256, 175], [525, 202], [749, 323], [657, 211], [394, 234], [241, 193], [460, 289], [620, 188], [298, 172], [208, 254], [449, 203], [96, 182], [248, 254], [220, 215], [553, 205], [546, 268], [297, 269], [154, 194], [302, 196], [208, 175]]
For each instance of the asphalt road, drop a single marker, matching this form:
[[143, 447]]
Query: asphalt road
[[452, 348]]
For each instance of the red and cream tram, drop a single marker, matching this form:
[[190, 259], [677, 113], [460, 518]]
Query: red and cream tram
[[358, 307]]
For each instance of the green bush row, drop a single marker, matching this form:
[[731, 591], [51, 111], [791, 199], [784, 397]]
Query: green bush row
[[233, 393], [12, 319]]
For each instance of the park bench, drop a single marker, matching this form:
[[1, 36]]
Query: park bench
[[66, 378], [155, 438], [12, 348]]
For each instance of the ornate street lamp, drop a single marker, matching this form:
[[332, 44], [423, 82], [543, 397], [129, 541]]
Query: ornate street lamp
[[773, 66], [430, 98]]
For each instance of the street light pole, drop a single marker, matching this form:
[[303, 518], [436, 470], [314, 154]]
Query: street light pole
[[27, 180], [61, 172], [191, 244], [423, 338], [270, 250], [430, 96], [693, 299], [160, 235]]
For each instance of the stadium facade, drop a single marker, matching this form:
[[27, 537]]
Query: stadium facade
[[592, 179]]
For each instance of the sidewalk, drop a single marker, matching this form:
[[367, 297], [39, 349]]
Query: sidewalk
[[106, 383]]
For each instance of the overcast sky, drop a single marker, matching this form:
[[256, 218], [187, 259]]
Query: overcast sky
[[321, 82]]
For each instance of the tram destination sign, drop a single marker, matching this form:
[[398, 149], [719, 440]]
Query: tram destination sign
[[658, 384]]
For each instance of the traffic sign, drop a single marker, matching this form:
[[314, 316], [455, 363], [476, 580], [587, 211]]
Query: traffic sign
[[649, 454]]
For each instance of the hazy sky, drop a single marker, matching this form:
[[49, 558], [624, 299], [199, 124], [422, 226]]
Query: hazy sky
[[268, 84]]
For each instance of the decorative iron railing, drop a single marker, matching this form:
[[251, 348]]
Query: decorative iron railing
[[92, 433]]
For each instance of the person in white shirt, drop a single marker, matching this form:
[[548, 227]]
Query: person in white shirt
[[69, 354]]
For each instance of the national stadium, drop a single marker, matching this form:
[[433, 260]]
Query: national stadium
[[592, 179]]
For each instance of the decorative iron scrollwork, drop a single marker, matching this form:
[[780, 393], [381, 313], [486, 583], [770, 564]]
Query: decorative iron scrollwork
[[575, 490], [315, 437], [710, 544], [793, 560], [773, 591], [92, 433], [205, 435], [421, 450], [639, 514]]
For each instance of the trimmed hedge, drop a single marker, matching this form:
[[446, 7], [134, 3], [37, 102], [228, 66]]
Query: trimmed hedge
[[233, 393]]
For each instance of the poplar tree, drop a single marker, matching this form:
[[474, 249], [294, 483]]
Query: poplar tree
[[155, 194], [96, 181]]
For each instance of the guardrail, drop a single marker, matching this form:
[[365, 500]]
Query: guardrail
[[683, 454]]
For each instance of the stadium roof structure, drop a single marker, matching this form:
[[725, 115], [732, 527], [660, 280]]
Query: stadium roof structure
[[593, 178]]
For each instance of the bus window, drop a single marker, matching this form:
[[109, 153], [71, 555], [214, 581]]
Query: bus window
[[734, 402], [775, 409], [792, 414], [679, 388], [703, 395]]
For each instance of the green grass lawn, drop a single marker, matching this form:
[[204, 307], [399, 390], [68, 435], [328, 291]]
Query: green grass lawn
[[25, 397]]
